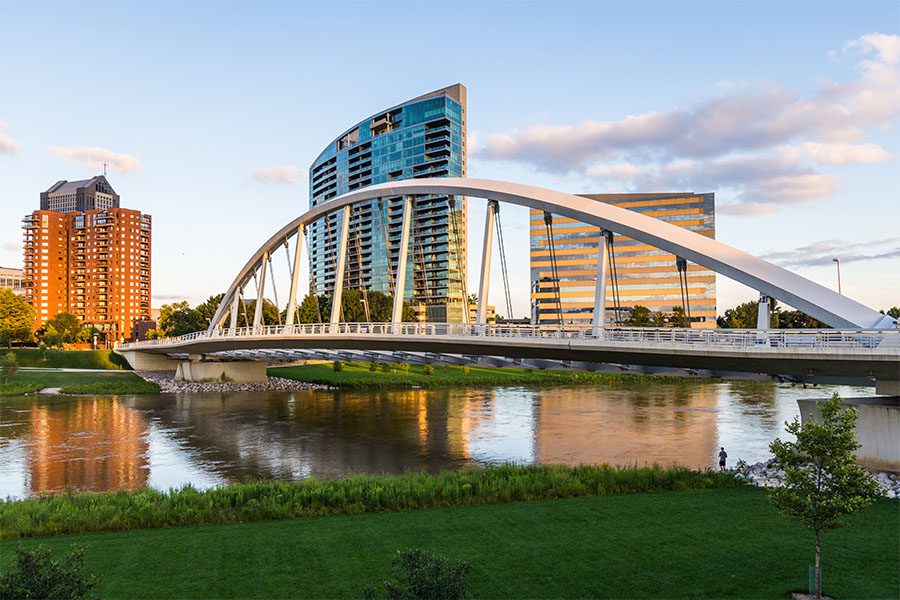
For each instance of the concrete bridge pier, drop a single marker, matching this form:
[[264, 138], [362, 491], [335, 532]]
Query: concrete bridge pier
[[200, 370]]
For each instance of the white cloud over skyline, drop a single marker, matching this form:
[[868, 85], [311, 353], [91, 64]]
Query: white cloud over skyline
[[279, 175], [823, 252], [95, 158], [763, 145], [7, 144]]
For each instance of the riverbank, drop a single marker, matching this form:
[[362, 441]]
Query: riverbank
[[722, 543], [168, 385], [356, 375], [113, 382], [67, 513], [70, 359]]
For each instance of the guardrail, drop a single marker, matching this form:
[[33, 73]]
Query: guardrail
[[731, 338]]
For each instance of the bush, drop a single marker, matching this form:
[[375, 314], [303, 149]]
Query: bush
[[404, 368], [420, 575], [427, 370], [373, 367], [465, 370], [36, 575], [10, 365], [338, 366], [386, 367]]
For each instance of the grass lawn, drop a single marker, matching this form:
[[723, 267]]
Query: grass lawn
[[358, 375], [25, 382], [701, 544], [70, 359]]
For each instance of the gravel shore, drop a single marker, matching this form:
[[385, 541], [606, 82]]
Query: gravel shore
[[167, 384]]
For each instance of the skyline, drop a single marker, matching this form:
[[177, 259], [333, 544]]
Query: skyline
[[788, 132]]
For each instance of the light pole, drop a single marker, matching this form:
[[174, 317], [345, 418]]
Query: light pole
[[837, 263]]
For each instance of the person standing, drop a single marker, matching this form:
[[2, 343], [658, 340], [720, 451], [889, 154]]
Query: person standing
[[722, 456]]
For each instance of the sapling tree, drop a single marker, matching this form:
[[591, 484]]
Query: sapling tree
[[822, 482]]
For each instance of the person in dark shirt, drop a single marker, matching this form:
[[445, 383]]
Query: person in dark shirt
[[722, 456]]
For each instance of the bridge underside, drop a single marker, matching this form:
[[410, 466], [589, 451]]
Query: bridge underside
[[816, 364]]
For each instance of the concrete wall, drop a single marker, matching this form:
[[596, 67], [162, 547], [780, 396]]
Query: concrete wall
[[221, 372], [143, 361], [877, 430]]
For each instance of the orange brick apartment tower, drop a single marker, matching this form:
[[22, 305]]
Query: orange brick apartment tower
[[86, 256]]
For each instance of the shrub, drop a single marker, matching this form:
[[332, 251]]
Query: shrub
[[427, 370], [338, 366], [373, 367], [10, 364], [420, 575], [36, 575], [404, 368], [386, 367], [465, 370]]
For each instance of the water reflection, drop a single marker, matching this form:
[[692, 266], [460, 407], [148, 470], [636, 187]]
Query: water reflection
[[102, 443]]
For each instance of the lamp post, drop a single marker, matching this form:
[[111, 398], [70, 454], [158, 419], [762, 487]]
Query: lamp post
[[837, 263]]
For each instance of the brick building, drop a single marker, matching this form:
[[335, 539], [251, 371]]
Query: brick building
[[87, 256]]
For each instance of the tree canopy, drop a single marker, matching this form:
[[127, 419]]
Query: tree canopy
[[64, 328], [16, 318], [743, 316]]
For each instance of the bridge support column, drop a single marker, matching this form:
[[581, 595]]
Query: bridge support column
[[887, 387], [485, 281], [764, 312], [599, 323], [235, 302], [402, 258], [295, 280], [338, 293], [260, 292], [221, 372]]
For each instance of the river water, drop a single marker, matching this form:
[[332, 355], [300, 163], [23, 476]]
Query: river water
[[100, 443]]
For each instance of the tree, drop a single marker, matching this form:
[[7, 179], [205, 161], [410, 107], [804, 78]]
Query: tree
[[181, 322], [742, 316], [640, 317], [795, 319], [678, 318], [63, 328], [167, 309], [822, 481], [208, 308], [893, 311], [16, 318]]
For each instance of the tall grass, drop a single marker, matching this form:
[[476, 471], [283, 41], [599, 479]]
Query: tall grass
[[84, 512], [25, 382]]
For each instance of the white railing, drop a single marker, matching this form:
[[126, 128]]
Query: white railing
[[868, 340]]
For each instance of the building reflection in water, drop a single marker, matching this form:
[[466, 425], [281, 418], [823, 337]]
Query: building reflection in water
[[94, 444], [107, 443]]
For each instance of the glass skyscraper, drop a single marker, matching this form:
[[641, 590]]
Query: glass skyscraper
[[423, 137], [646, 276]]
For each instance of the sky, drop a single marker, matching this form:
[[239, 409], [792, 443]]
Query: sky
[[209, 114]]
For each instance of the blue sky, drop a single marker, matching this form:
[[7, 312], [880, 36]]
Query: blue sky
[[788, 111]]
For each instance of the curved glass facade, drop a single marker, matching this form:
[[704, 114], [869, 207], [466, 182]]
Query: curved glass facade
[[424, 137]]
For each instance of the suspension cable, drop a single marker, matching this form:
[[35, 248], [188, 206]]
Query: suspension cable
[[362, 286], [287, 255], [274, 289], [387, 242], [548, 224], [459, 257], [614, 271], [681, 266], [417, 243], [312, 283], [503, 267]]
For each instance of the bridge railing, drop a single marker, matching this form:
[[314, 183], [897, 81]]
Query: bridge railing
[[733, 338]]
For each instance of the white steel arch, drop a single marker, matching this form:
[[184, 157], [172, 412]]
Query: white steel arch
[[816, 300]]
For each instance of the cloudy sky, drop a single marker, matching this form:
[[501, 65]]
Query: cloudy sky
[[208, 115]]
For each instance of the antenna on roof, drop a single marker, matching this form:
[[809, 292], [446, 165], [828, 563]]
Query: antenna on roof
[[104, 169]]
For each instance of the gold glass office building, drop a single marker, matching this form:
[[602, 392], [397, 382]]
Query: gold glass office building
[[646, 276]]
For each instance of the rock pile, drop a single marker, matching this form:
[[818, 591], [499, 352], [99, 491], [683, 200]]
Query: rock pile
[[767, 474], [167, 385]]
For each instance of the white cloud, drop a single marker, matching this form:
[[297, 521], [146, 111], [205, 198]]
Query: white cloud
[[11, 246], [824, 252], [96, 158], [178, 297], [7, 144], [766, 144], [281, 175]]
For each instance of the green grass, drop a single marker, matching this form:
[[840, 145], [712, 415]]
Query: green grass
[[357, 376], [70, 359], [695, 544], [83, 512], [25, 382]]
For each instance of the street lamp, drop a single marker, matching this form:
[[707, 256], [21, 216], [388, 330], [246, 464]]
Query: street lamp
[[837, 263]]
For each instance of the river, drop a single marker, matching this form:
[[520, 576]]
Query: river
[[99, 443]]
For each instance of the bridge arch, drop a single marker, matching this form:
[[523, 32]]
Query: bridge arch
[[816, 300]]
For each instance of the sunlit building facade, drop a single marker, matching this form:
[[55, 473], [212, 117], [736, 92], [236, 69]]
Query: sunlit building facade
[[645, 276], [91, 262], [424, 137]]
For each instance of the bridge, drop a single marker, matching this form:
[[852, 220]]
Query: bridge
[[863, 347]]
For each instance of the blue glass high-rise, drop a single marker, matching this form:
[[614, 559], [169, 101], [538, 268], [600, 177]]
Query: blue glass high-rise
[[423, 137]]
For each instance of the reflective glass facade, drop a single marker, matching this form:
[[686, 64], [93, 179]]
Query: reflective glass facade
[[424, 137], [647, 276]]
